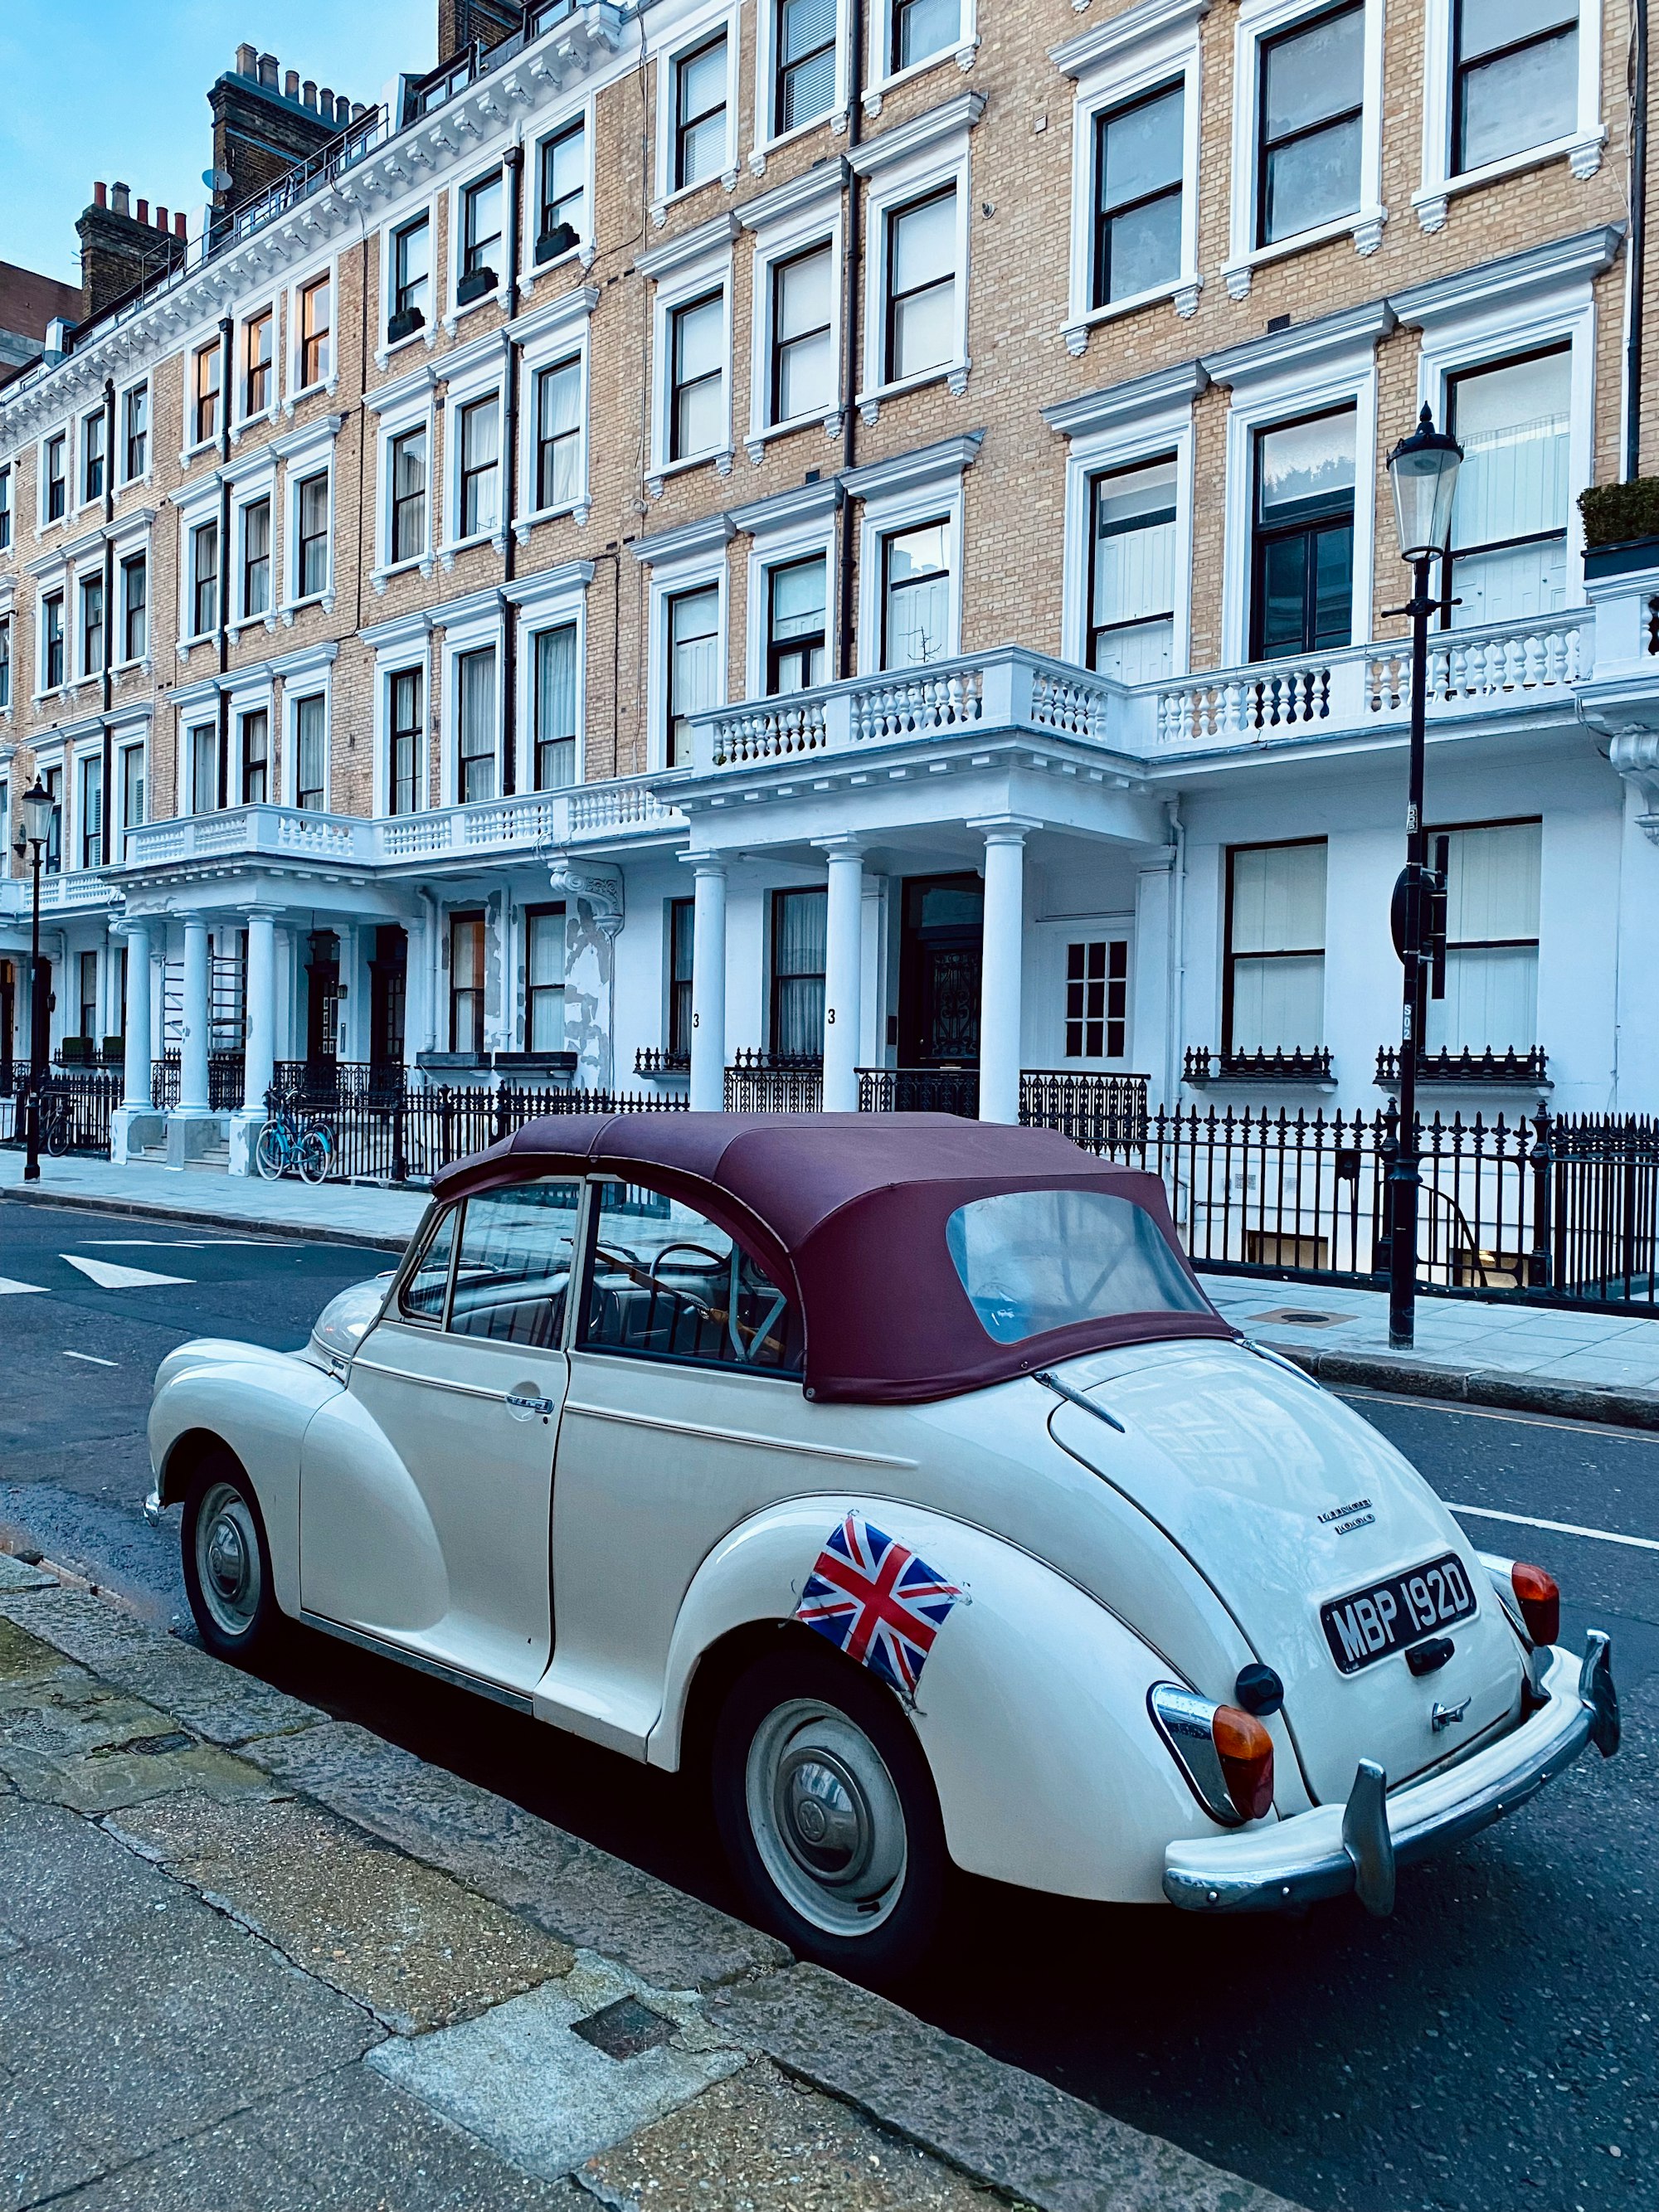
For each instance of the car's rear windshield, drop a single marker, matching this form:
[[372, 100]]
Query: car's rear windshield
[[1032, 1261]]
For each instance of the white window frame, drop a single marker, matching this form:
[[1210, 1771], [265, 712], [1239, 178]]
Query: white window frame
[[43, 522], [676, 561], [1258, 20], [793, 220], [1121, 427], [587, 249], [558, 332], [879, 80], [794, 526], [84, 573], [1582, 147], [9, 481], [910, 162], [411, 404], [685, 39], [474, 372], [402, 644], [1154, 44], [766, 140], [203, 509], [306, 452], [134, 739], [292, 389], [8, 623], [679, 274], [468, 625], [191, 447], [268, 413], [554, 600], [1314, 370], [926, 486], [248, 694], [303, 674], [454, 311], [76, 757], [57, 583], [259, 482], [195, 705], [402, 219], [81, 501], [1522, 304], [131, 538], [122, 399]]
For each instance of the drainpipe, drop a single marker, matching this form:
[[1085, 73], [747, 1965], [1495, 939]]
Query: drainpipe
[[1637, 247], [850, 323], [510, 483], [109, 620], [1177, 1015], [224, 557]]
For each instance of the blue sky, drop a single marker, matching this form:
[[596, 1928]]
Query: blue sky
[[108, 88]]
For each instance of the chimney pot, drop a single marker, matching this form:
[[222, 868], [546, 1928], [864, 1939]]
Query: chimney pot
[[144, 210], [161, 218], [325, 103], [118, 199], [267, 71], [308, 92], [179, 224], [247, 59], [358, 111], [291, 85], [100, 196]]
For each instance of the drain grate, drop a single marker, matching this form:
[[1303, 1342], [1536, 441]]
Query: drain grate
[[1303, 1318], [624, 2029], [149, 1747]]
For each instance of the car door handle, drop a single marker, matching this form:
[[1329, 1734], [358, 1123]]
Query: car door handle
[[525, 1405]]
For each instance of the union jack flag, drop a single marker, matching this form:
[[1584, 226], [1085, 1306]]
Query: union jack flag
[[876, 1602]]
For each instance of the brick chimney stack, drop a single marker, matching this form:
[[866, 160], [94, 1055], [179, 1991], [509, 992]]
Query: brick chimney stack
[[260, 130], [120, 250], [488, 22]]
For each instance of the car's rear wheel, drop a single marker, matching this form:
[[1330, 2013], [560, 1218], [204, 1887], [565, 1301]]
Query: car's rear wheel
[[227, 1562], [827, 1813]]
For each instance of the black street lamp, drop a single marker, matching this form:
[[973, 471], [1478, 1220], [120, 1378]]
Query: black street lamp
[[1423, 469], [39, 808]]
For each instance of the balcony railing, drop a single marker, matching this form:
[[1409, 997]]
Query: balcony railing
[[1098, 1111], [1526, 1070], [78, 891], [1200, 1066], [655, 1060]]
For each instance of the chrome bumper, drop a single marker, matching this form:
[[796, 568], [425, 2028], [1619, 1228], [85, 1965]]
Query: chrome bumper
[[1334, 1849], [153, 1508]]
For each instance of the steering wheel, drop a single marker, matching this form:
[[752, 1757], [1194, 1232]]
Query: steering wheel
[[763, 1328]]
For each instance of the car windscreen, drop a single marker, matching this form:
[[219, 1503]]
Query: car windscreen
[[1033, 1260]]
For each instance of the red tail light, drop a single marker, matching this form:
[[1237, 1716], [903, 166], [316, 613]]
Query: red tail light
[[1246, 1752], [1539, 1596]]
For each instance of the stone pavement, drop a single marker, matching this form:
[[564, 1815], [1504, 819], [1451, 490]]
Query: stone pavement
[[252, 1959], [1578, 1365]]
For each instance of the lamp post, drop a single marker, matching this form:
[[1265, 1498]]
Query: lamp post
[[1423, 471], [38, 808]]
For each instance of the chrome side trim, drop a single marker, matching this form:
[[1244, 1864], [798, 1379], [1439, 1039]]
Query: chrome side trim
[[1597, 1689], [428, 1381], [456, 1677], [735, 1435]]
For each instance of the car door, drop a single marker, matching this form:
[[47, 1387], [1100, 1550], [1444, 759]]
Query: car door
[[426, 1491], [686, 1414]]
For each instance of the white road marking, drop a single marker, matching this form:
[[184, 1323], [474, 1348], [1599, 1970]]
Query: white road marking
[[1558, 1527], [8, 1289], [172, 1243], [91, 1359], [109, 1276]]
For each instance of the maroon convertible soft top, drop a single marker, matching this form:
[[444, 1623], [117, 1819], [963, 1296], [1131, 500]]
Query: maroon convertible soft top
[[847, 1212]]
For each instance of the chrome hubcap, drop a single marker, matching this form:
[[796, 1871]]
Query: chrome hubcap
[[826, 1817], [227, 1559]]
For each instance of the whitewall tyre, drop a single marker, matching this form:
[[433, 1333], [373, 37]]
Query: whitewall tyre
[[827, 1813], [227, 1563]]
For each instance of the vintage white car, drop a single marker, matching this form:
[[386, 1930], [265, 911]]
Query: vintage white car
[[896, 1473]]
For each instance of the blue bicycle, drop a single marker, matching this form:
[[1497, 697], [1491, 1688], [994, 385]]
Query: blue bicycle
[[288, 1145]]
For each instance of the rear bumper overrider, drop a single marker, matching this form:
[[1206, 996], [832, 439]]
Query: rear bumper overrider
[[1334, 1849]]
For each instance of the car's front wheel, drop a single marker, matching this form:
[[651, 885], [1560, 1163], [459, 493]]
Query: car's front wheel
[[227, 1563], [827, 1813]]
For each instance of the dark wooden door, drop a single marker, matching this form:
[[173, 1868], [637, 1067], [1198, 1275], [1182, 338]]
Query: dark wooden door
[[941, 956]]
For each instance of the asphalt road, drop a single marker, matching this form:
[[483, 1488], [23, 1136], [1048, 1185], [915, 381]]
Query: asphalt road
[[1492, 2046]]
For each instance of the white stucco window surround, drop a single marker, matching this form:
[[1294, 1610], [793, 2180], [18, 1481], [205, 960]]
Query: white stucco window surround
[[484, 173], [675, 40], [798, 217], [925, 486], [129, 535], [880, 76], [409, 404], [1581, 146], [678, 561], [690, 268], [402, 644], [204, 338], [304, 453], [395, 221], [1292, 373], [767, 135], [1153, 46], [85, 746], [1541, 297], [249, 484], [1258, 20], [1138, 420], [474, 624], [475, 375], [547, 337], [199, 506], [250, 691], [794, 526], [193, 705], [296, 381], [555, 598], [242, 417], [586, 250], [902, 168], [307, 675], [8, 616]]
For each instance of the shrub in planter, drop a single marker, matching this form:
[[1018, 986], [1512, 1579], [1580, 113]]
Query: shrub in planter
[[115, 1050], [75, 1052], [1616, 513]]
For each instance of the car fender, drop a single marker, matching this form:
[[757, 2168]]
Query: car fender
[[258, 1402], [1031, 1706]]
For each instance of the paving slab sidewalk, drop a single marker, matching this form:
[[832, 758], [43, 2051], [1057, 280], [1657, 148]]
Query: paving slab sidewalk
[[254, 1959], [1572, 1363]]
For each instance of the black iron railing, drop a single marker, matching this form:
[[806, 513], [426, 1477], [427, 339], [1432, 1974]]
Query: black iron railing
[[225, 1081], [76, 1103], [1099, 1112], [1312, 1065], [919, 1091], [655, 1060], [768, 1082], [323, 1082], [407, 1135], [1526, 1070]]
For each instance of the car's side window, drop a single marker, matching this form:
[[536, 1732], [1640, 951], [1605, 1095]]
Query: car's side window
[[422, 1298], [667, 1283], [513, 1278]]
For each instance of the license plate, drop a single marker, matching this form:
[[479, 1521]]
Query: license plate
[[1386, 1616]]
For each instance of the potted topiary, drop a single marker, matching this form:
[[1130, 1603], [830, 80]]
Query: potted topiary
[[1621, 527]]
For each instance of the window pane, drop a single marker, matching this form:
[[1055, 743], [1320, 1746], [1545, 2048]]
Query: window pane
[[806, 378], [1036, 1260], [422, 1295], [700, 339], [693, 651], [1483, 26], [803, 301], [1143, 249], [483, 217], [309, 719], [1492, 881], [476, 675], [667, 1281], [1491, 1002], [1311, 180], [1279, 898], [1142, 150], [797, 596], [1307, 467], [556, 707], [923, 27], [1332, 557], [1313, 74], [801, 930], [924, 243], [1279, 1005], [924, 332], [513, 1278], [702, 80], [1512, 424]]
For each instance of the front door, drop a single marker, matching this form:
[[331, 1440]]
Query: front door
[[939, 965], [426, 1491], [323, 1000]]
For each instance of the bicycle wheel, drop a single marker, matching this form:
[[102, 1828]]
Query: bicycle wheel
[[270, 1154], [57, 1135], [316, 1154]]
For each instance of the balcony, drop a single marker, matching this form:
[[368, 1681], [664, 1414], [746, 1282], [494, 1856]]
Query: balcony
[[1202, 1068], [79, 890], [1518, 1071]]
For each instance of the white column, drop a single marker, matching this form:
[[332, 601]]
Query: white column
[[708, 988], [135, 1020], [259, 1055], [1003, 957], [193, 1036], [843, 975]]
